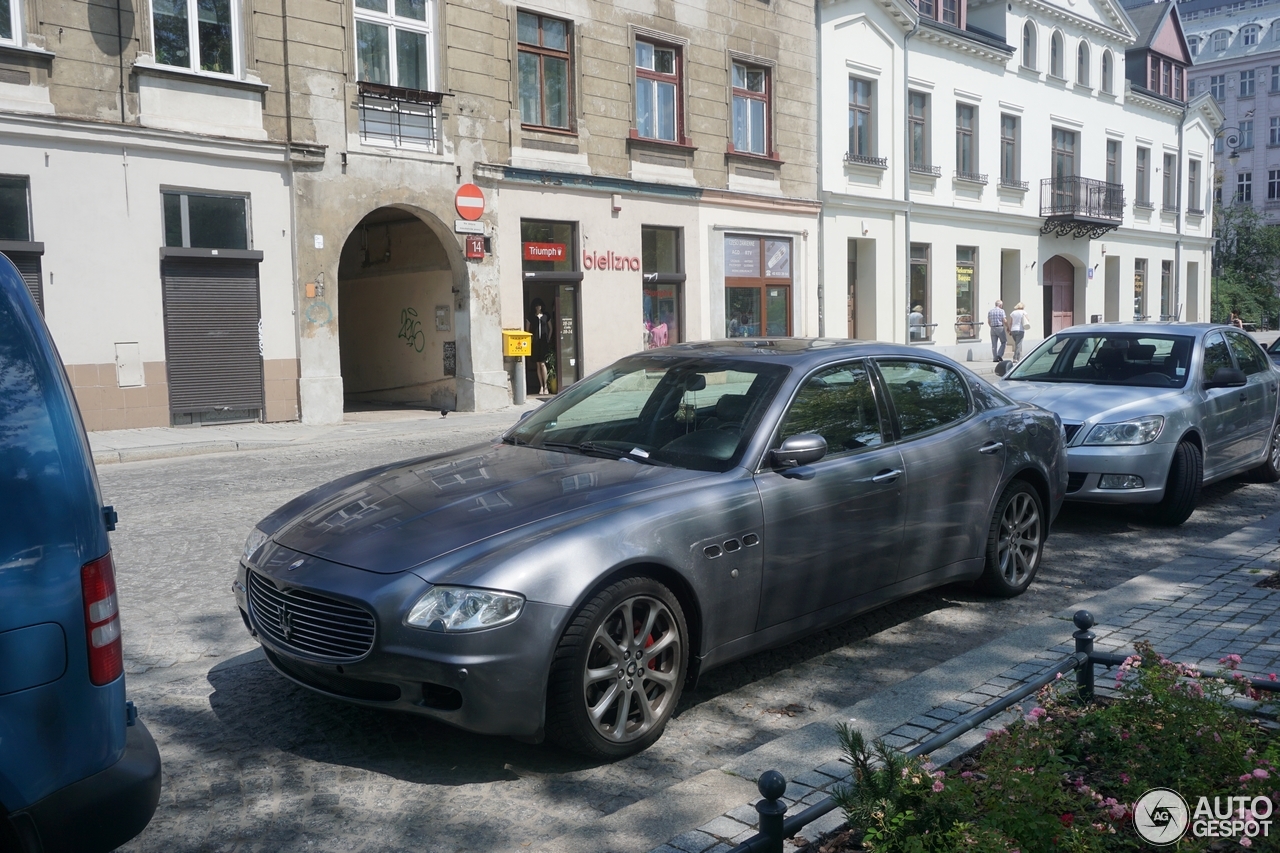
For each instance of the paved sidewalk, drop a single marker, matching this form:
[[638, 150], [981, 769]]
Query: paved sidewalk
[[130, 445], [1195, 610]]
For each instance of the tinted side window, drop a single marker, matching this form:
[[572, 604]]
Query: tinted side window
[[34, 494], [837, 404], [1216, 354], [1248, 356], [926, 396]]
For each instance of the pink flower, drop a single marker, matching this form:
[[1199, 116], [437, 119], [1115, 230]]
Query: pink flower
[[1245, 842], [1272, 676], [938, 786], [1124, 777], [1248, 777], [1124, 735], [1232, 661], [966, 775], [1261, 774], [1038, 712]]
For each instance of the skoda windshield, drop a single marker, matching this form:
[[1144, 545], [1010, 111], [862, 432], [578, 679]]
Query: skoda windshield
[[687, 412], [1110, 358]]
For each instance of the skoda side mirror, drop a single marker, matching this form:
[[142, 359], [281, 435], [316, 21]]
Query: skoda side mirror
[[1227, 377], [799, 450], [1003, 368]]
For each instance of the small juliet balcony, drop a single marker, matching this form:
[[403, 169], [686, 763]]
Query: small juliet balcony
[[1079, 206], [399, 118]]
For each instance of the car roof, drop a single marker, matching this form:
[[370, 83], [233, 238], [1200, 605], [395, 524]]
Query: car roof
[[798, 352], [1196, 329]]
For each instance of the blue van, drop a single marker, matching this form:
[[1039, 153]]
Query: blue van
[[78, 771]]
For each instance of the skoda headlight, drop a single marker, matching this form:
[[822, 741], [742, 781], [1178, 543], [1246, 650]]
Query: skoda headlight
[[458, 608], [255, 541], [1137, 431]]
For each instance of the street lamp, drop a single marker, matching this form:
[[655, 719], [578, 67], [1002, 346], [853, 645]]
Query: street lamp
[[1230, 137]]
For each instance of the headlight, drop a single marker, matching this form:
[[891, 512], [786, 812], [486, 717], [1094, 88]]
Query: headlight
[[1136, 431], [255, 541], [457, 608]]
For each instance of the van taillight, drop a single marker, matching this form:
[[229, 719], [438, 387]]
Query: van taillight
[[102, 620]]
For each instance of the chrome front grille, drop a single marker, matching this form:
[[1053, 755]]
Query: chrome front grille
[[314, 625]]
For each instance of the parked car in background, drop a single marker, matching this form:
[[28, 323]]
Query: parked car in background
[[679, 509], [1274, 351], [78, 771], [1154, 411]]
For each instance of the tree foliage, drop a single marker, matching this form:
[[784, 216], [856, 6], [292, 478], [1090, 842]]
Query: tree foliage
[[1246, 263]]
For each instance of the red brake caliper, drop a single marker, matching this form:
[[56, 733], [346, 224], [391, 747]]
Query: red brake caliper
[[648, 641]]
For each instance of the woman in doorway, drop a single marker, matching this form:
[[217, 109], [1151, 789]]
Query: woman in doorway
[[539, 325], [1018, 329]]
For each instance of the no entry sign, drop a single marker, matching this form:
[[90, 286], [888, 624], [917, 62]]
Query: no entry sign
[[469, 201]]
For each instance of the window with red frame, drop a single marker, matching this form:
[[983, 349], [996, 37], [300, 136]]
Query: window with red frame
[[658, 113], [751, 114]]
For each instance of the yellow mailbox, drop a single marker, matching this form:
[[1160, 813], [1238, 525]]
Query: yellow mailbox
[[516, 343]]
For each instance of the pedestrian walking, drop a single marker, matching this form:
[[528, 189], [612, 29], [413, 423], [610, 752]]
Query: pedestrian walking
[[1017, 329], [915, 323], [995, 321]]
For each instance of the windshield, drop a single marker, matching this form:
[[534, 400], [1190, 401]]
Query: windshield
[[1110, 358], [664, 410]]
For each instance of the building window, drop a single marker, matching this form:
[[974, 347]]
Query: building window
[[1273, 185], [1170, 183], [1275, 75], [1113, 162], [394, 43], [658, 112], [1143, 179], [1244, 187], [10, 21], [918, 128], [1055, 55], [1246, 84], [1249, 36], [1082, 64], [1218, 86], [199, 221], [1029, 45], [15, 208], [966, 146], [1193, 44], [545, 68], [951, 12], [966, 276], [1140, 289], [1166, 291], [919, 309], [1246, 133], [757, 276], [751, 91], [662, 282], [1064, 161], [1107, 73], [202, 35], [1177, 93], [1010, 165], [928, 9], [1217, 196], [1220, 40], [861, 103], [1193, 186]]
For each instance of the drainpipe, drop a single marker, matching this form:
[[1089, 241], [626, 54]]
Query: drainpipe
[[1177, 246], [822, 225], [120, 50], [906, 173]]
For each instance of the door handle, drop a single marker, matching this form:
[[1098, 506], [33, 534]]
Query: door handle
[[887, 476], [991, 447]]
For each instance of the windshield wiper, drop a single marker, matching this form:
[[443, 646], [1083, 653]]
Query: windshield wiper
[[590, 448]]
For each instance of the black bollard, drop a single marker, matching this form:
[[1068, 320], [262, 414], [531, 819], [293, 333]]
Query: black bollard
[[771, 809], [1084, 644]]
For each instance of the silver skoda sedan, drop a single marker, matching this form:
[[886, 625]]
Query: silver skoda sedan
[[1154, 411], [668, 514]]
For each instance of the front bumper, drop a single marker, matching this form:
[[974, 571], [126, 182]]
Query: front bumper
[[1086, 464], [490, 682], [102, 811]]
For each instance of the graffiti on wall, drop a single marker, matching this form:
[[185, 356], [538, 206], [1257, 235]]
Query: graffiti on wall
[[411, 329]]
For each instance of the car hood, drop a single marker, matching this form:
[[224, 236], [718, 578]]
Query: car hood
[[405, 515], [1078, 401]]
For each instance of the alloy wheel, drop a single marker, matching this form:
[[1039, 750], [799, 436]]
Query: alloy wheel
[[1019, 548], [1275, 447], [630, 678]]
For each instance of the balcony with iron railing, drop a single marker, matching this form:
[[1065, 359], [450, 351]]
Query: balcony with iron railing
[[400, 118], [1080, 206]]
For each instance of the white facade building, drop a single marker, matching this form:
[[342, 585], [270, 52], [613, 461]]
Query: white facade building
[[978, 137]]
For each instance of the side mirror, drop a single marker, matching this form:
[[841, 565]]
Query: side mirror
[[799, 450], [1003, 368], [524, 415], [1227, 377]]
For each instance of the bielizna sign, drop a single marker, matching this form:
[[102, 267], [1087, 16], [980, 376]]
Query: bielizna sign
[[609, 261]]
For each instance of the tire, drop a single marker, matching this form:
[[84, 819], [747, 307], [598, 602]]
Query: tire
[[1015, 541], [1182, 488], [1269, 471], [612, 688]]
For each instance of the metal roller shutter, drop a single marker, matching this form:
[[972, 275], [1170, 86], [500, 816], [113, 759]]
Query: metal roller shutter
[[211, 312], [28, 264]]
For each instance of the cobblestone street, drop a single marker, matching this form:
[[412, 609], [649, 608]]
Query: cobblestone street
[[253, 762]]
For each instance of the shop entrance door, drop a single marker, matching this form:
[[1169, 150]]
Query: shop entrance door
[[1060, 294], [757, 295], [561, 354]]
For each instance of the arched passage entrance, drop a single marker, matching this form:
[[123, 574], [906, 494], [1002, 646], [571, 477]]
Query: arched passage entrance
[[1059, 294], [397, 336]]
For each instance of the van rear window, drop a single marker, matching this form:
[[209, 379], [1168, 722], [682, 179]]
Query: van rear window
[[34, 494]]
